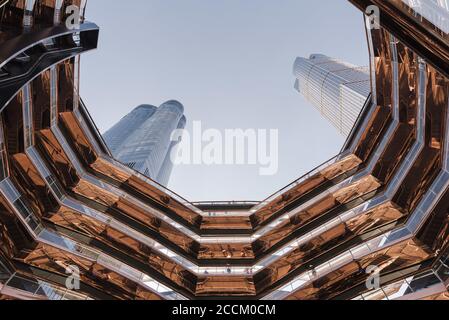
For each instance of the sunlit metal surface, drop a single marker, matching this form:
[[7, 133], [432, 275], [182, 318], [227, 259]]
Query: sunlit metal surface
[[66, 202]]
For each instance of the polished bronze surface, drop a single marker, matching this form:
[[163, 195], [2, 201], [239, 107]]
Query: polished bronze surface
[[65, 202]]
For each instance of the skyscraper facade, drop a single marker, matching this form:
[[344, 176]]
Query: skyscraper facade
[[120, 132], [164, 174], [70, 211], [142, 139], [338, 90]]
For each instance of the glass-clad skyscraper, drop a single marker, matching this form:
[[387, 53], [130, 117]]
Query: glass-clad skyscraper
[[127, 126], [371, 223], [337, 89], [141, 140], [164, 174]]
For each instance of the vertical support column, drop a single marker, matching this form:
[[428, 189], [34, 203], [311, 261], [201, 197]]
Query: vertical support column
[[82, 10], [395, 61], [76, 83], [422, 89], [369, 32], [446, 142], [54, 96], [76, 66], [4, 169], [28, 14], [27, 107], [58, 14]]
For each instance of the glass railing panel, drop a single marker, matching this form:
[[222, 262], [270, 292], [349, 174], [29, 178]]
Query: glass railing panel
[[398, 289], [375, 295], [424, 282], [23, 284]]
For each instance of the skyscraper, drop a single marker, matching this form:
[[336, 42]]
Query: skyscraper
[[141, 140], [338, 90], [377, 211], [127, 126], [164, 174]]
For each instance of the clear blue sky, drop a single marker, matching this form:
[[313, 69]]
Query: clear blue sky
[[230, 63]]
